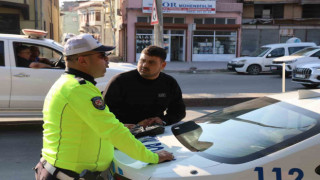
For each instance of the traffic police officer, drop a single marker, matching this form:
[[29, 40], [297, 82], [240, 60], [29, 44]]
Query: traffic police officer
[[80, 132]]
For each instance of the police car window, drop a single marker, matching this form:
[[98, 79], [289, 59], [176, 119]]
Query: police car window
[[39, 53], [277, 52], [254, 129], [317, 54], [1, 53], [295, 49]]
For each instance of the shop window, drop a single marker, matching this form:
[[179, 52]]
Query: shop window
[[225, 45], [179, 20], [203, 33], [311, 11], [224, 33], [203, 45], [198, 21], [143, 19], [144, 31], [220, 20], [214, 42], [209, 21], [98, 16], [177, 31], [168, 20], [231, 21], [143, 41]]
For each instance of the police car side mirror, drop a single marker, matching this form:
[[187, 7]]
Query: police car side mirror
[[188, 134]]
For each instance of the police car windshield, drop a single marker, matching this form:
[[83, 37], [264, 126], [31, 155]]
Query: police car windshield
[[253, 129], [260, 52], [305, 51]]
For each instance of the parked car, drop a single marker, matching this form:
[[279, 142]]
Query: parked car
[[307, 74], [265, 138], [26, 88], [305, 55], [260, 59]]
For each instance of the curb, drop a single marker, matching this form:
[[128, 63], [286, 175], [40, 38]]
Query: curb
[[204, 102]]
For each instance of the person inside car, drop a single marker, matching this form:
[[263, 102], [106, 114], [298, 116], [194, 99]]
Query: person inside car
[[23, 58], [35, 52]]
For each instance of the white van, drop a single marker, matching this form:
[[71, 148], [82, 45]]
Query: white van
[[305, 55], [263, 57]]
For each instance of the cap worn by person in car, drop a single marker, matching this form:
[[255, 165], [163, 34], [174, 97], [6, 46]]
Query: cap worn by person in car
[[84, 43]]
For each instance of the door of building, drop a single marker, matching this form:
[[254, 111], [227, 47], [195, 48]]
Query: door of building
[[177, 49]]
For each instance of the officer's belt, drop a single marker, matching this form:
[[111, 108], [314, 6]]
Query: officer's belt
[[53, 170]]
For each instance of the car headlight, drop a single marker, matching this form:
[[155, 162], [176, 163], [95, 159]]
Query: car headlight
[[241, 61], [317, 68]]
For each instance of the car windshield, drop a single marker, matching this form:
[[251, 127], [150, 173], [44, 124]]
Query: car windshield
[[305, 51], [251, 130], [260, 52]]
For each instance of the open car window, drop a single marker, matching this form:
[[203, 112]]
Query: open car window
[[249, 130], [41, 54]]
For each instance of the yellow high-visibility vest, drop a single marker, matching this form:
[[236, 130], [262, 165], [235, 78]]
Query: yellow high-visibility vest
[[80, 132]]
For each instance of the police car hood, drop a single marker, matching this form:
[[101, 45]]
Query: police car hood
[[185, 163], [286, 59], [312, 64]]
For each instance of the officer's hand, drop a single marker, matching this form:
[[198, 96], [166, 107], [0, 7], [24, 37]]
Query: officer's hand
[[164, 156]]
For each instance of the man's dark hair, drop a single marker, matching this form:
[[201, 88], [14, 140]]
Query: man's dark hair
[[155, 51], [21, 48]]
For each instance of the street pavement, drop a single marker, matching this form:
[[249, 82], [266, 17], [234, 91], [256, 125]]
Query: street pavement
[[207, 99]]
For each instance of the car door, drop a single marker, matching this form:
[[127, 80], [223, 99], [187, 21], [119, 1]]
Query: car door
[[30, 86], [5, 76], [277, 52]]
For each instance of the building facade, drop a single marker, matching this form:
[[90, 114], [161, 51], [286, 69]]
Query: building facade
[[94, 18], [205, 30], [69, 19], [275, 21], [30, 14]]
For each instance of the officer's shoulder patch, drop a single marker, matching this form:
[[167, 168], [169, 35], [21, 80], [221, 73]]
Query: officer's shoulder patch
[[81, 80], [98, 103]]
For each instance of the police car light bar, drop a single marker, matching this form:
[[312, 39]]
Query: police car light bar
[[34, 33]]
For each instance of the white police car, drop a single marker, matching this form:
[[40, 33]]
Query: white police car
[[307, 74], [274, 137], [305, 55], [25, 88]]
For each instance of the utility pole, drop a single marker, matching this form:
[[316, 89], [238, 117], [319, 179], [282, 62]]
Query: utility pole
[[158, 28]]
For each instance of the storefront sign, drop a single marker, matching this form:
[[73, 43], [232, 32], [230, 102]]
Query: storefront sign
[[182, 7]]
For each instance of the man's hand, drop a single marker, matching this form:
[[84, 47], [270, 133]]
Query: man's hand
[[129, 126], [150, 121], [164, 156], [156, 120]]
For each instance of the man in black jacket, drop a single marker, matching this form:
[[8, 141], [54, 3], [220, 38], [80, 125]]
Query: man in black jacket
[[142, 96]]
